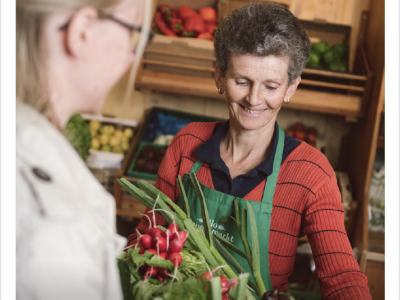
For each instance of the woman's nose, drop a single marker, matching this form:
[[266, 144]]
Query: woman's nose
[[254, 96]]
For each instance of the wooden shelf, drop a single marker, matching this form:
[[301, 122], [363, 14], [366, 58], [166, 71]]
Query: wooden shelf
[[381, 142], [347, 106]]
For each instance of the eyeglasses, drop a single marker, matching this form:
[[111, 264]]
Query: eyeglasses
[[134, 29]]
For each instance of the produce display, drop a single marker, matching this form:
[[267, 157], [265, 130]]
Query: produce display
[[185, 22], [299, 132], [150, 158], [79, 135], [109, 137], [324, 56], [183, 261]]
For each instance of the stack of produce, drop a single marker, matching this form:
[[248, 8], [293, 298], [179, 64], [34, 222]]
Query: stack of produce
[[186, 22], [109, 138], [301, 133], [176, 261], [150, 158], [324, 56]]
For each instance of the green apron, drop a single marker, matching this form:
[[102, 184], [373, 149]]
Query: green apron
[[221, 205]]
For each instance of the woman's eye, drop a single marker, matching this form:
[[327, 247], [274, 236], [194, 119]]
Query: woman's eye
[[241, 82]]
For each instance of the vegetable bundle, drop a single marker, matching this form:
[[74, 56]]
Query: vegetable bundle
[[207, 251]]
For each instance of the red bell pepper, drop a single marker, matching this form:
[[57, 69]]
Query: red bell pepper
[[210, 27], [175, 25], [205, 36], [208, 14], [194, 23], [162, 26], [186, 33], [185, 11], [165, 11]]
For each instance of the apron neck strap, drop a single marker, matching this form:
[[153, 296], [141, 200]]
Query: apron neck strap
[[196, 166], [270, 185]]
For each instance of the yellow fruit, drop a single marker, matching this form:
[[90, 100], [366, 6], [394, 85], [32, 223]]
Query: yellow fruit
[[111, 129], [115, 141], [117, 149], [106, 148], [104, 138], [95, 144], [128, 132], [118, 134], [124, 139], [94, 125], [124, 146]]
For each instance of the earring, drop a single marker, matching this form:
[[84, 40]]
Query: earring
[[220, 92], [288, 99]]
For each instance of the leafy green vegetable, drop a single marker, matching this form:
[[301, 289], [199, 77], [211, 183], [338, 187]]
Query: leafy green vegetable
[[78, 133], [193, 263], [320, 47]]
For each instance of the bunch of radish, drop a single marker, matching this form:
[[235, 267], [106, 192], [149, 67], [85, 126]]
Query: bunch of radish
[[167, 244], [226, 284]]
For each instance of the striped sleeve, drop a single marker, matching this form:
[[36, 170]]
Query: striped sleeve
[[166, 183], [338, 272]]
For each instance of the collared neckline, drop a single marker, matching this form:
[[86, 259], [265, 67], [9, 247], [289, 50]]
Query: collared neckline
[[209, 152]]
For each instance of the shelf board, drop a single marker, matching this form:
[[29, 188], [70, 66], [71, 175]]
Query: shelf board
[[381, 142], [347, 106]]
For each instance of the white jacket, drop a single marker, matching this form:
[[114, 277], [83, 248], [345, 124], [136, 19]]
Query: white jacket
[[66, 226]]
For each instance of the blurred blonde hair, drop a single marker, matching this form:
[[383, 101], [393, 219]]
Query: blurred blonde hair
[[31, 77]]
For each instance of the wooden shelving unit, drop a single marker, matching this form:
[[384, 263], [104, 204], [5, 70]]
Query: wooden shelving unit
[[348, 106]]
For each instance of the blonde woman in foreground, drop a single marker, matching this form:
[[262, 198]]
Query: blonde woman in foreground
[[69, 55]]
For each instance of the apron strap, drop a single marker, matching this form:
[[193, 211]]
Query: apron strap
[[269, 189], [196, 166]]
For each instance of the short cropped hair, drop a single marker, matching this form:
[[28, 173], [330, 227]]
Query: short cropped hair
[[262, 29]]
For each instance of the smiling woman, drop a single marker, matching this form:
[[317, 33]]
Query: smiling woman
[[69, 55], [261, 51]]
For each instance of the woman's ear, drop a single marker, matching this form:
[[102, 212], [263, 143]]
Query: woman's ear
[[292, 88], [219, 79], [80, 30]]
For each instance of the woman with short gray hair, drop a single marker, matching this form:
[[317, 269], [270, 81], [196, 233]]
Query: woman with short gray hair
[[261, 51]]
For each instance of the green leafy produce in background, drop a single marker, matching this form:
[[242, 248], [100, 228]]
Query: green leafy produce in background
[[331, 56], [314, 59], [338, 66], [78, 133], [320, 47], [341, 50]]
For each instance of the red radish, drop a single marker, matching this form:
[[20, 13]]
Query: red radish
[[176, 258], [160, 243], [225, 297], [150, 271], [152, 251], [160, 278], [164, 255], [233, 282], [163, 272], [175, 245], [206, 276], [142, 250], [155, 231], [224, 285], [183, 236], [174, 229], [168, 234], [145, 241]]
